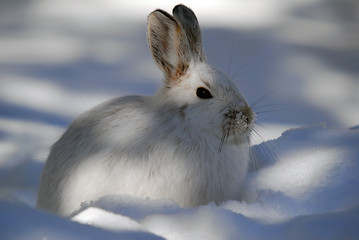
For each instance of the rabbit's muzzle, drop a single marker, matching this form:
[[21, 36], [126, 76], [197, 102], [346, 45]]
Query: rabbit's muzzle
[[238, 121]]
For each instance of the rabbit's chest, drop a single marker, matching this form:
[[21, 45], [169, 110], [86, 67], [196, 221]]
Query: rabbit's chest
[[198, 179]]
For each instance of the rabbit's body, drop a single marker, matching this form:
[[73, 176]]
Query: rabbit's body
[[189, 142]]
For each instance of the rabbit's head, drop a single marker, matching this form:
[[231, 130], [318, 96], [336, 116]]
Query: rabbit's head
[[208, 101]]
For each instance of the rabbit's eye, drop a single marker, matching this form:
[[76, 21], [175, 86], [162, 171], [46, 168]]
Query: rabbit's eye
[[203, 93]]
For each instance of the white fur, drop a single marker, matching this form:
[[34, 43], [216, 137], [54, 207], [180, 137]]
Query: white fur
[[163, 146]]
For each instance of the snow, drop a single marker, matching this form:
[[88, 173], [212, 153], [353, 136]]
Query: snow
[[58, 60], [22, 222]]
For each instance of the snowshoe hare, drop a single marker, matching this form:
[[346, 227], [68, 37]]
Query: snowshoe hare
[[189, 142]]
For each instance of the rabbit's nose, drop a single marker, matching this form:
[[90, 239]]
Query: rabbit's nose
[[240, 116], [246, 114]]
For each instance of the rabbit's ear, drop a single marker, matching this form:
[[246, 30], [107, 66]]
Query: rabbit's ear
[[168, 44], [189, 23]]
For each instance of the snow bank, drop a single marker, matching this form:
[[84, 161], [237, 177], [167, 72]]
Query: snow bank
[[18, 221], [309, 192]]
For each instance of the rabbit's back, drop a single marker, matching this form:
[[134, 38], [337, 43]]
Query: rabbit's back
[[85, 153]]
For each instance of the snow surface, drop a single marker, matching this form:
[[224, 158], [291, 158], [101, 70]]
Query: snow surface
[[58, 60]]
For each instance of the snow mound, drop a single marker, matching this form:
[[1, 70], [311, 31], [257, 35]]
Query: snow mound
[[313, 182], [18, 221]]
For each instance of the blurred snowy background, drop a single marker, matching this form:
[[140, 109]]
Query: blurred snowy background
[[59, 58]]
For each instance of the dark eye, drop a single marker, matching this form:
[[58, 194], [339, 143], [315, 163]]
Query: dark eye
[[203, 93]]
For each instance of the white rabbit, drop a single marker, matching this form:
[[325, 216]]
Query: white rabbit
[[189, 142]]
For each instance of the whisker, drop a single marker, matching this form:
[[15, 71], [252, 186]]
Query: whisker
[[264, 96], [262, 153], [271, 111], [260, 124], [238, 71], [254, 160], [230, 60], [223, 140], [271, 105], [257, 134]]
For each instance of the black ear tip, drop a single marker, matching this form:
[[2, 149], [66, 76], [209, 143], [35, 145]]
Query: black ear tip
[[181, 8]]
